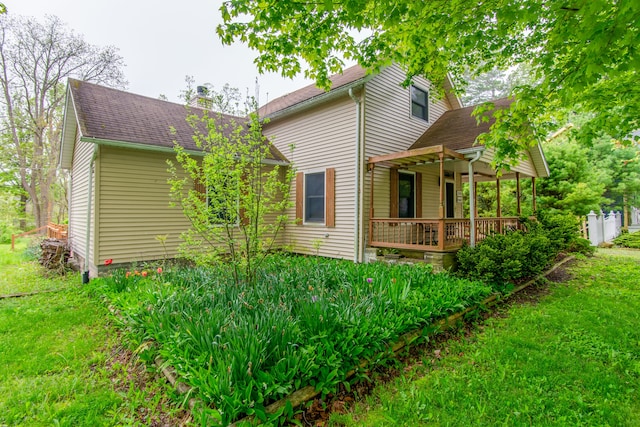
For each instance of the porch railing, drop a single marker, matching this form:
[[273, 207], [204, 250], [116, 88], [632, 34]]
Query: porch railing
[[434, 234]]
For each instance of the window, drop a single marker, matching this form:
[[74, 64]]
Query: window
[[406, 195], [314, 197], [419, 103], [222, 209]]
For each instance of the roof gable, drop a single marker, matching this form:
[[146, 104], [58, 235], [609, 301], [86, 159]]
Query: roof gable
[[458, 130], [347, 78]]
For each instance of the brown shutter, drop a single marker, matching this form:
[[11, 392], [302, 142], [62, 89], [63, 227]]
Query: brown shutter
[[200, 187], [418, 195], [299, 197], [393, 193], [244, 219], [330, 197]]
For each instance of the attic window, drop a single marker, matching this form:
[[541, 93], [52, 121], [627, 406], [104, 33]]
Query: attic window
[[419, 106]]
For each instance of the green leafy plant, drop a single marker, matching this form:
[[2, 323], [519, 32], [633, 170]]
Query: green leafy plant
[[234, 195], [306, 321], [503, 258]]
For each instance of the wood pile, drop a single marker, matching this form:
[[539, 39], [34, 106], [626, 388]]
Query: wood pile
[[55, 254]]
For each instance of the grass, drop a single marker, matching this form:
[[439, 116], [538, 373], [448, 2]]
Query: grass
[[20, 274], [571, 359], [57, 351]]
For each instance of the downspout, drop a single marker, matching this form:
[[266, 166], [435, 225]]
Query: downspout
[[356, 220], [472, 202], [87, 249]]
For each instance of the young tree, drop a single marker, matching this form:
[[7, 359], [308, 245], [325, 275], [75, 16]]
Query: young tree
[[35, 60], [584, 55], [235, 194]]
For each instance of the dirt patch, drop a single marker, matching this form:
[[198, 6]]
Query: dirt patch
[[128, 372]]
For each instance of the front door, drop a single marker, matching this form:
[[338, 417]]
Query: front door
[[450, 199], [406, 195]]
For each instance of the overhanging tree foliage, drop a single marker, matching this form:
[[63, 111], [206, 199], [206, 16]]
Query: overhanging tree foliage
[[583, 54], [234, 195], [35, 60]]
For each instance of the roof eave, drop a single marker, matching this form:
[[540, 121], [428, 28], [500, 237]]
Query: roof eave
[[69, 127], [160, 149]]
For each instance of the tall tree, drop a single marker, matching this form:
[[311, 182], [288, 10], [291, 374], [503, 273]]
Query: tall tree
[[575, 184], [36, 58], [584, 54]]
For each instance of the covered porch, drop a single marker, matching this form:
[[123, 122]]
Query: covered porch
[[450, 227]]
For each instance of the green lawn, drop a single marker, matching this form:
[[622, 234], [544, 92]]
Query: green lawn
[[56, 356], [571, 359]]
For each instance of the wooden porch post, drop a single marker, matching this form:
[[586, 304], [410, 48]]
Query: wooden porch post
[[498, 206], [533, 194], [442, 187], [372, 167], [518, 193], [441, 214]]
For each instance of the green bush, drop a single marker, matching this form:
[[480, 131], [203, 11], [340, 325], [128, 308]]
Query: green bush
[[5, 233], [563, 231], [501, 259], [628, 240]]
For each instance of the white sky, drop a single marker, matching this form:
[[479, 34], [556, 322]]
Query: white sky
[[161, 42]]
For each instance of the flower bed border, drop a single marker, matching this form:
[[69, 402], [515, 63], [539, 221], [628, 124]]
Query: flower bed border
[[307, 393]]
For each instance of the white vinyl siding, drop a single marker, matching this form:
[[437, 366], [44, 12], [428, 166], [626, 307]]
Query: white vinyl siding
[[323, 137], [390, 127]]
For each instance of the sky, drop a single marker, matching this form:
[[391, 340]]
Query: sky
[[161, 42]]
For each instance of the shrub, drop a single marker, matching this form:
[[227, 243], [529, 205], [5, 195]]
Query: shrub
[[5, 233], [500, 259], [503, 258], [628, 240], [563, 231]]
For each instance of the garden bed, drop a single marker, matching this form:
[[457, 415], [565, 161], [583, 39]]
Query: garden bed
[[307, 322]]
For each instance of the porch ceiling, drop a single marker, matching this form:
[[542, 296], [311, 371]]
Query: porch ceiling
[[416, 156]]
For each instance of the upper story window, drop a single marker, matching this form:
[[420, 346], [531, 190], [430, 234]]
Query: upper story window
[[419, 103]]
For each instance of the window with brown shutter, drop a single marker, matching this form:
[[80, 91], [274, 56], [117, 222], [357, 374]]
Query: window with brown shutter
[[315, 197]]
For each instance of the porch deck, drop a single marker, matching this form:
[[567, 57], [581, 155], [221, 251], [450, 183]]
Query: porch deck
[[437, 235]]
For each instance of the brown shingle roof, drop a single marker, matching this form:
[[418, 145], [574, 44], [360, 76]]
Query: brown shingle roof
[[350, 75], [110, 114], [457, 129]]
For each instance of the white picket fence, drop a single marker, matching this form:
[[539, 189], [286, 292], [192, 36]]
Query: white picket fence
[[603, 227], [634, 220]]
